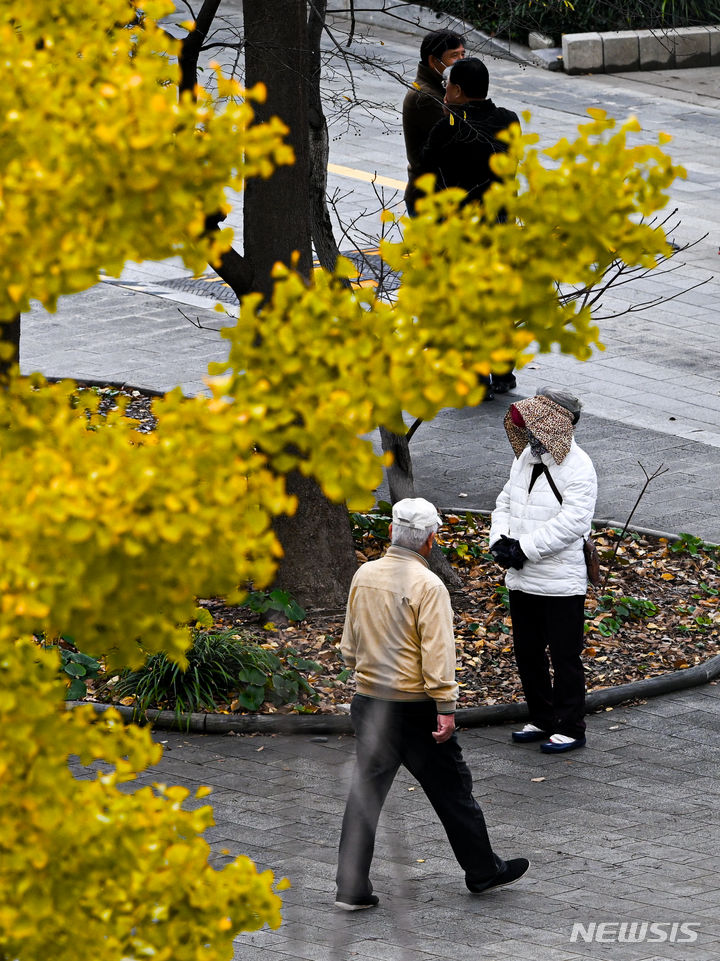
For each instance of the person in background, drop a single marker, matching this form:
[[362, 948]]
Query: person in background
[[539, 524], [461, 145], [398, 638], [423, 103]]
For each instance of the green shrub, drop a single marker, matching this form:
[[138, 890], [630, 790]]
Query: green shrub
[[514, 19], [375, 524], [78, 668], [689, 544], [621, 610], [223, 669], [277, 600]]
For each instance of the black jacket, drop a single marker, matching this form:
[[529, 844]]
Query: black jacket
[[460, 146]]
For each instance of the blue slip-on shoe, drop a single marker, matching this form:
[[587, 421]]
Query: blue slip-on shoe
[[560, 743], [529, 733]]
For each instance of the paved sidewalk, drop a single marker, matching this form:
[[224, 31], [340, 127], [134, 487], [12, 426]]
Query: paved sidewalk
[[625, 830]]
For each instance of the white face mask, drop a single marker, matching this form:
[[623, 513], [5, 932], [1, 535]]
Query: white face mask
[[444, 74]]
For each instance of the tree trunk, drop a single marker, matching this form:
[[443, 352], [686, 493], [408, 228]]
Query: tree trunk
[[319, 559], [234, 269], [401, 485], [276, 220], [9, 337], [323, 238], [192, 44], [400, 473]]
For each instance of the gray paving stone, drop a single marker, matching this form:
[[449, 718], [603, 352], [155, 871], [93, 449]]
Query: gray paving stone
[[573, 869]]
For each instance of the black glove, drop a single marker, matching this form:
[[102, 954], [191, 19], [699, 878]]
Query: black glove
[[517, 557], [508, 553], [500, 551]]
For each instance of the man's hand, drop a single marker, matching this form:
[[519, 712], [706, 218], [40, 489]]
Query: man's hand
[[445, 728]]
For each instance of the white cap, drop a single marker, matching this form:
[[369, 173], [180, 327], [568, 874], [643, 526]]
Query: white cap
[[415, 512]]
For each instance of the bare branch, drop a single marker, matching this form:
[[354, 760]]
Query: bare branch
[[413, 427], [664, 299], [648, 478], [198, 324]]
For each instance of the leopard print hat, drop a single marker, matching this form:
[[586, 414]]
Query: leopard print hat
[[551, 422]]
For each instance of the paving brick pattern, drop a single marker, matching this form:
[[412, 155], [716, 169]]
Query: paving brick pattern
[[625, 830]]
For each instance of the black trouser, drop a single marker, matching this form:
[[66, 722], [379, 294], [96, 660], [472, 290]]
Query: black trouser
[[541, 623], [388, 734]]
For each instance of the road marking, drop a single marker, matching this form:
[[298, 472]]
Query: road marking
[[365, 176]]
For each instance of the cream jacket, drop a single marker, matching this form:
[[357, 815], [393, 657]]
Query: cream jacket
[[398, 634]]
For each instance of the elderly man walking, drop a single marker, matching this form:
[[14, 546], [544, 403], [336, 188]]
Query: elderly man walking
[[398, 638]]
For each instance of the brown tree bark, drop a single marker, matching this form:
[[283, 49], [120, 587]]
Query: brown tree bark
[[323, 237], [10, 335], [401, 482], [320, 558], [276, 211], [192, 44]]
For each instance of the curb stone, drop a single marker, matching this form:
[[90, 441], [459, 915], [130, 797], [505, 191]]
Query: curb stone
[[417, 20], [619, 51], [487, 716], [611, 51]]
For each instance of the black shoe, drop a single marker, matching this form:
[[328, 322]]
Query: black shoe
[[357, 904], [511, 873], [503, 383], [554, 747], [529, 733]]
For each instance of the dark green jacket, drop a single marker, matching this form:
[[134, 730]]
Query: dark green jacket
[[422, 108]]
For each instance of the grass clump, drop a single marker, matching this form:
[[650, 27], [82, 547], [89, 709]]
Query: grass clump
[[224, 672]]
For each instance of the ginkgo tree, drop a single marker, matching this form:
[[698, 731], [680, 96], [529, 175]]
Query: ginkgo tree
[[108, 536], [101, 161]]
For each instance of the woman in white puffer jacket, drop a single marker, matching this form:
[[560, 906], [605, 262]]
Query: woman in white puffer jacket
[[542, 516]]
